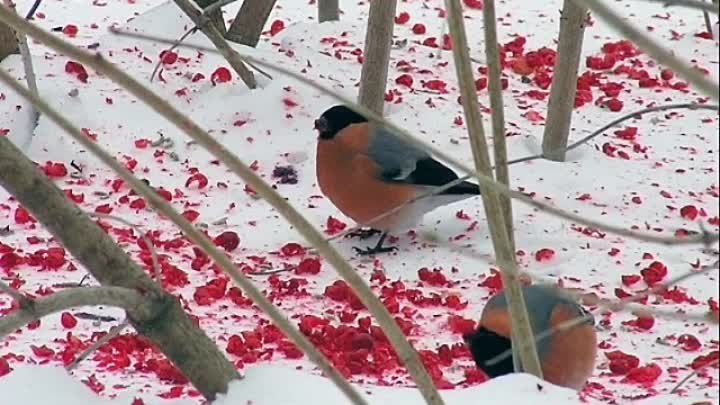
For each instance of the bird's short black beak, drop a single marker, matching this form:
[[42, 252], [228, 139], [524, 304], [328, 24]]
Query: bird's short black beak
[[321, 125]]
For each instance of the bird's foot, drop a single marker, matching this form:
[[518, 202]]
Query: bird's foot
[[370, 251], [363, 234]]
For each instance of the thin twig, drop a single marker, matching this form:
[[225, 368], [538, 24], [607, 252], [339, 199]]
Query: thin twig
[[695, 372], [484, 180], [656, 51], [77, 297], [696, 4], [153, 252], [162, 206], [175, 45], [113, 332], [33, 9], [620, 120]]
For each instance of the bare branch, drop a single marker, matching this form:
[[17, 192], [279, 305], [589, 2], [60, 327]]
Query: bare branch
[[114, 331], [657, 52], [211, 31], [492, 53], [151, 247], [15, 294], [696, 4], [635, 114], [175, 45], [120, 297], [522, 334], [162, 206], [485, 181], [33, 9], [690, 376]]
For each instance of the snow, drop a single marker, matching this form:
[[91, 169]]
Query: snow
[[678, 169]]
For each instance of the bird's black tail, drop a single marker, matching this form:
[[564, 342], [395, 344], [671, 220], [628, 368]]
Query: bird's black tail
[[463, 188]]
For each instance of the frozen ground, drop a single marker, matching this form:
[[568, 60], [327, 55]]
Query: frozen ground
[[641, 180]]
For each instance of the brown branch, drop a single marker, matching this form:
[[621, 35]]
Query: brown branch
[[133, 302], [522, 333], [27, 62], [216, 37], [249, 22], [175, 45], [564, 83], [191, 232], [656, 51], [13, 293], [492, 53], [376, 55], [485, 181], [328, 10]]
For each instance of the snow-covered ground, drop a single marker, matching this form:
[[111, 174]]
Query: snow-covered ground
[[661, 178]]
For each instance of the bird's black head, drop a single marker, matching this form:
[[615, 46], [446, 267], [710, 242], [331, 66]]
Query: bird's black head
[[485, 345], [335, 119]]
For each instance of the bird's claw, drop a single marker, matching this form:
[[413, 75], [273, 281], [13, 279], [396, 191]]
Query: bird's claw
[[363, 234], [370, 251]]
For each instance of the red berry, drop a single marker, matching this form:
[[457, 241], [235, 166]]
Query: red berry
[[419, 29], [67, 320], [402, 18], [220, 75], [70, 30], [228, 240]]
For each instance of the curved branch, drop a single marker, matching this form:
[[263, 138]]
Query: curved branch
[[120, 297], [486, 181]]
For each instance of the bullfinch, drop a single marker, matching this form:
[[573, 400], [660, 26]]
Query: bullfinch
[[366, 170], [567, 357]]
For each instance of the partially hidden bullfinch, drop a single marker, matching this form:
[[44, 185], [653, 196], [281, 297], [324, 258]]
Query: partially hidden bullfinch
[[567, 357], [366, 170]]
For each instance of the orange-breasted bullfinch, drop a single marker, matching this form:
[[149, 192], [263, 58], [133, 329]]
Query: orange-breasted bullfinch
[[567, 357], [366, 170]]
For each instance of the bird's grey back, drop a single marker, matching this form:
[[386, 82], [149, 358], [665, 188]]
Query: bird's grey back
[[540, 301], [397, 157]]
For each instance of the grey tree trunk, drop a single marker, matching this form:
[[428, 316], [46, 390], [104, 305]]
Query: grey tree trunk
[[564, 84], [249, 22], [328, 10], [378, 39]]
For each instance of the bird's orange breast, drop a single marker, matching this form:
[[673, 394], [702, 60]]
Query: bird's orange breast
[[350, 179]]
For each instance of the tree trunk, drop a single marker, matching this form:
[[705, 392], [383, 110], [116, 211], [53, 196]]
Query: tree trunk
[[328, 10], [216, 16], [376, 55], [564, 84], [8, 42], [175, 334], [249, 22]]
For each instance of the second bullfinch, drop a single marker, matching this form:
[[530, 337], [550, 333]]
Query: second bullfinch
[[366, 171], [567, 357]]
